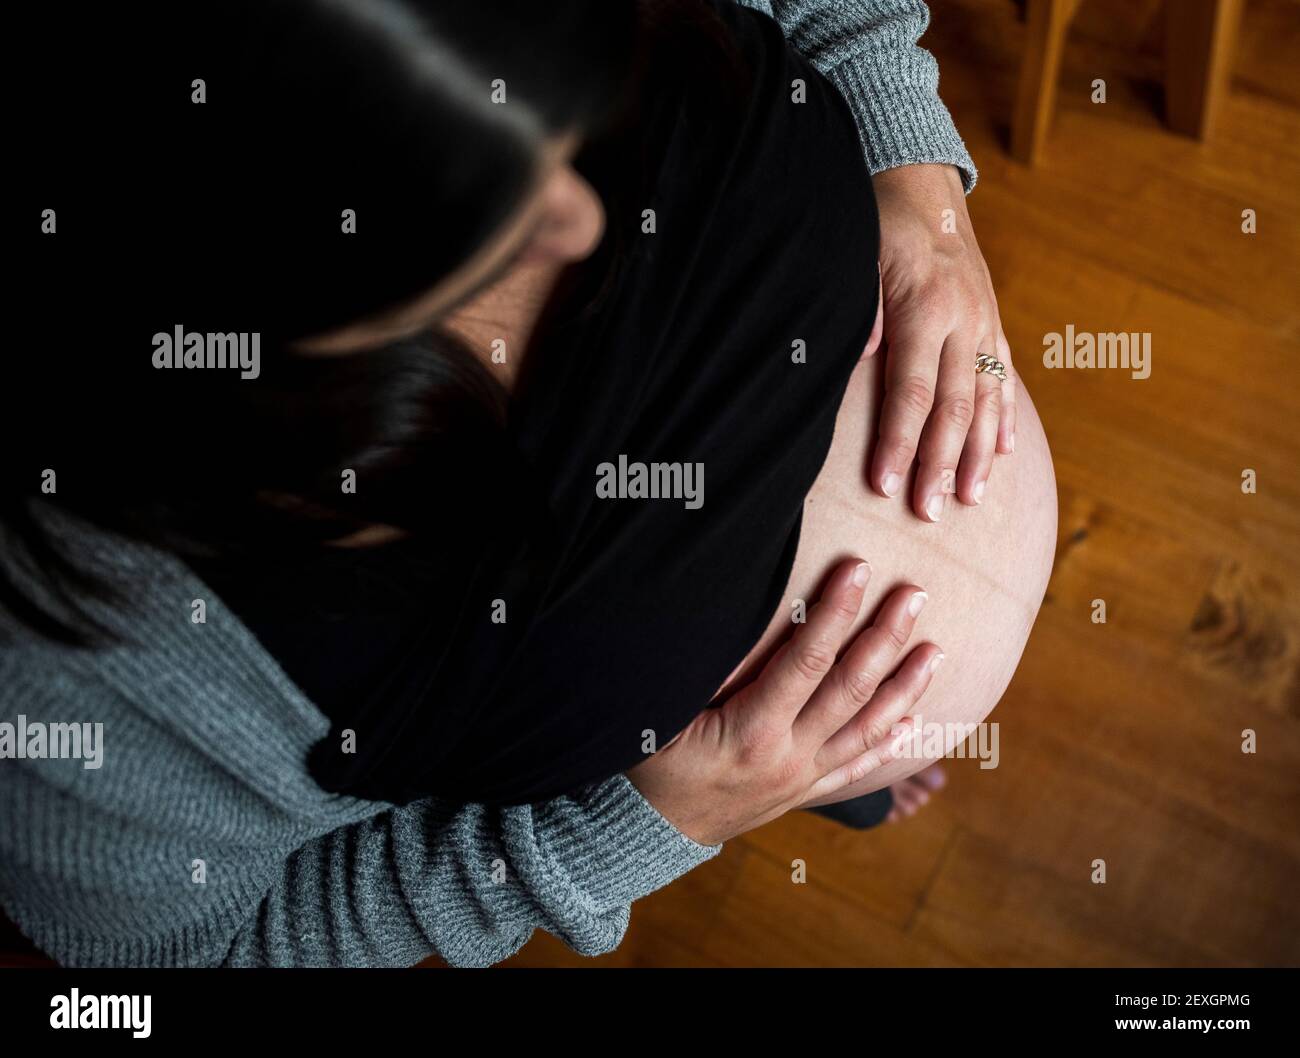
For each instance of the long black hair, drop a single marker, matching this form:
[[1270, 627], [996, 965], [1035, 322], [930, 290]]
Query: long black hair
[[234, 136], [229, 141]]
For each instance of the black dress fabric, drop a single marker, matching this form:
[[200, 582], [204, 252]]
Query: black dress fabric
[[625, 615]]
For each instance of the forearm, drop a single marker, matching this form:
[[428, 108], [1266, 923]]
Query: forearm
[[869, 50], [469, 883]]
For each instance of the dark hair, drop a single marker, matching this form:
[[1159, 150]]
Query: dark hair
[[310, 106]]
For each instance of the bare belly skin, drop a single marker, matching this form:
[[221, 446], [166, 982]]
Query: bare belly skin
[[985, 568]]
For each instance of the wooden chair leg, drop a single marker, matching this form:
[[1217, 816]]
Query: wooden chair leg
[[1200, 39], [1035, 98], [1048, 23]]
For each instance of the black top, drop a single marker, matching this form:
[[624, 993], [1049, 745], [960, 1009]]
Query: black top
[[629, 615]]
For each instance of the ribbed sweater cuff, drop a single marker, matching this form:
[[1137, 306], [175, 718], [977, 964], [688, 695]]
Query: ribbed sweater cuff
[[628, 849], [900, 124]]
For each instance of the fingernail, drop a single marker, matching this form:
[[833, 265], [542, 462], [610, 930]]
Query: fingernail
[[979, 492], [1011, 442], [891, 484], [860, 574], [934, 507], [916, 603], [936, 661]]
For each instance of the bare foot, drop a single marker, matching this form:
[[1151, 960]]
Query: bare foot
[[915, 791]]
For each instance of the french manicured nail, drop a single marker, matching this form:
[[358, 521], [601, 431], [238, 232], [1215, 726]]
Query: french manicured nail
[[916, 603], [936, 661], [979, 492], [891, 484], [934, 507], [860, 574]]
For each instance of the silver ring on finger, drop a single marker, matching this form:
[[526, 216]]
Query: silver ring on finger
[[992, 365]]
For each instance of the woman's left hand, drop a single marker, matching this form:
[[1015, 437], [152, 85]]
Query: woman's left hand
[[939, 314]]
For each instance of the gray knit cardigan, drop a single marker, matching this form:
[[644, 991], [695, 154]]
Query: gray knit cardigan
[[200, 838]]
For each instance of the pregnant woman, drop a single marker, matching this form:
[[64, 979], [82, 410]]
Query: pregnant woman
[[384, 665]]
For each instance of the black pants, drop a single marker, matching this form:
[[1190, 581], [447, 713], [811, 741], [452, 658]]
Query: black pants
[[860, 813]]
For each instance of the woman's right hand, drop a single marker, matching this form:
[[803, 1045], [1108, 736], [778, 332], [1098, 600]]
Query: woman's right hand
[[808, 726]]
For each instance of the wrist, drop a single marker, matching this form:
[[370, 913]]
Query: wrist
[[921, 206], [925, 182], [687, 828]]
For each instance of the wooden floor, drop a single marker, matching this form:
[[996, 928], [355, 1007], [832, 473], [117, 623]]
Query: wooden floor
[[1120, 742]]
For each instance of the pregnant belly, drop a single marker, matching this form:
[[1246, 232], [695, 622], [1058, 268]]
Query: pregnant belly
[[985, 568]]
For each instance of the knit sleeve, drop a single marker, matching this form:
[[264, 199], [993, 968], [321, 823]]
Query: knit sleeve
[[869, 50], [469, 883]]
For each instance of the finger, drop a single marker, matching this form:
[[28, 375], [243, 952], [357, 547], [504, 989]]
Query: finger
[[1007, 413], [794, 674], [911, 366], [981, 441], [866, 662], [877, 723], [945, 432], [878, 328], [857, 770]]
